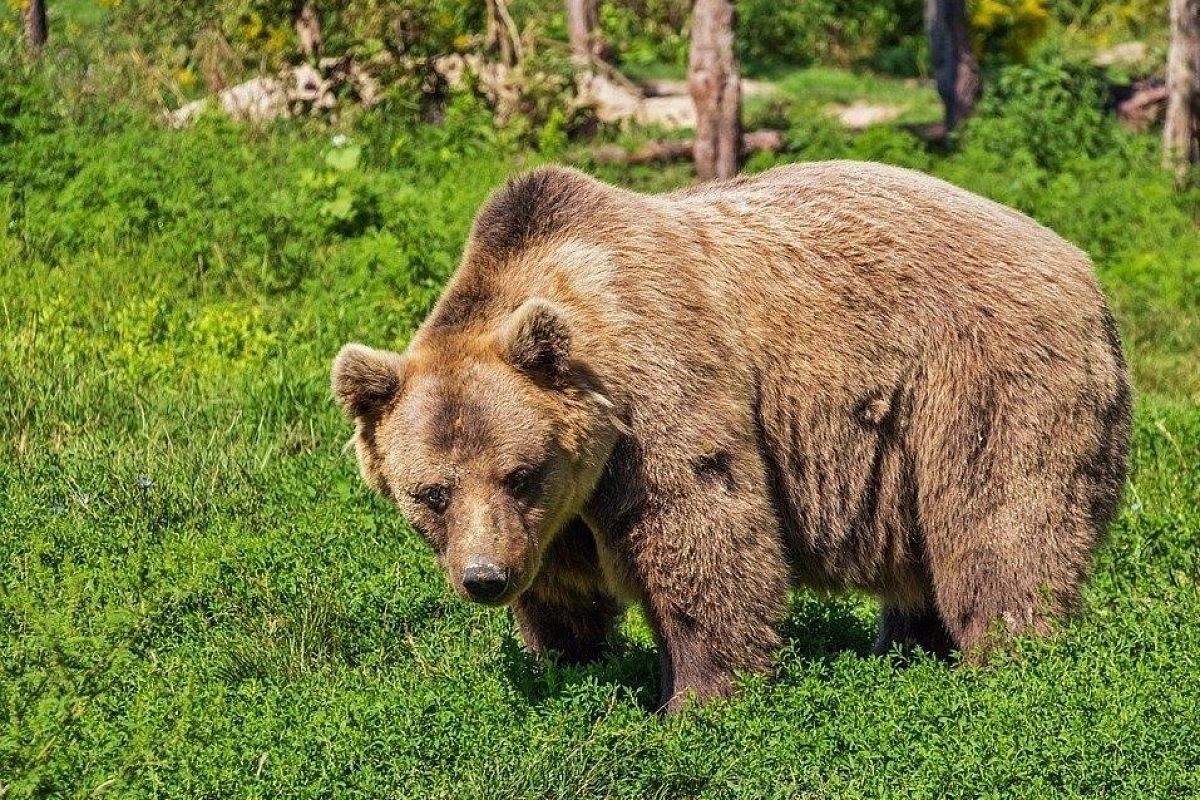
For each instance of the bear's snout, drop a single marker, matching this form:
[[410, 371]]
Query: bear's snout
[[485, 582]]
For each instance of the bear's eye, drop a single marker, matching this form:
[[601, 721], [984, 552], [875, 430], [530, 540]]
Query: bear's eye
[[435, 498], [519, 481]]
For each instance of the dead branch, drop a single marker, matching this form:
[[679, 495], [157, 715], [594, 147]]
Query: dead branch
[[761, 141]]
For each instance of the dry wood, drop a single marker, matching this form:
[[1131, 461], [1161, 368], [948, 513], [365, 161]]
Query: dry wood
[[1141, 104], [308, 29], [583, 18], [766, 140], [502, 34], [716, 90], [36, 28], [1181, 126]]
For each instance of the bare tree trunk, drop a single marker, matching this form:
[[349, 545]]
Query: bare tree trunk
[[308, 29], [1181, 127], [583, 17], [502, 33], [716, 90], [597, 81], [954, 64], [36, 29]]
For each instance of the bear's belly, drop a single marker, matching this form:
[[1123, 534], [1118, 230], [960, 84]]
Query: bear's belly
[[844, 490]]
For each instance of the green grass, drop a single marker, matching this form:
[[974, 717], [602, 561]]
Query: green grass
[[817, 89], [87, 14], [825, 86], [199, 598]]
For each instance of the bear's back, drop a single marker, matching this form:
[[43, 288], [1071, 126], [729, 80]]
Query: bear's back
[[868, 256], [856, 214]]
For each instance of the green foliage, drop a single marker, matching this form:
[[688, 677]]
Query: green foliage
[[198, 597], [646, 32], [1107, 22], [772, 35], [1050, 112], [348, 202], [887, 35], [197, 35], [1007, 30]]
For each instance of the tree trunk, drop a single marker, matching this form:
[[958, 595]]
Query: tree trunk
[[36, 29], [583, 17], [308, 29], [502, 33], [1181, 127], [716, 90], [954, 64]]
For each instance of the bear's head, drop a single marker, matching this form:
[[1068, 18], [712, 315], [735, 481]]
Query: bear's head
[[487, 441]]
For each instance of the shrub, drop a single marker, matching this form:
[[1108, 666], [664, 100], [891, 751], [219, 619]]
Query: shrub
[[1052, 111], [647, 32], [836, 32], [259, 34], [1105, 22], [1007, 30]]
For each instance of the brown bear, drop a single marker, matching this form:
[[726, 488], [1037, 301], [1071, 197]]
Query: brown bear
[[833, 375]]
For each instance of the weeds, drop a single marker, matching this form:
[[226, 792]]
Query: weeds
[[198, 598]]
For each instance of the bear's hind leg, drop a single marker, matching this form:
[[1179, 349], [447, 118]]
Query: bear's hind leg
[[1007, 486], [986, 600], [568, 609], [1014, 572]]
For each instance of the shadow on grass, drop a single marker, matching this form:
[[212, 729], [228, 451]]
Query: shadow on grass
[[820, 629], [814, 630], [628, 666]]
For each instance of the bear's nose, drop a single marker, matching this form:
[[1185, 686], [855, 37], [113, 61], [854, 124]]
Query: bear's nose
[[484, 581]]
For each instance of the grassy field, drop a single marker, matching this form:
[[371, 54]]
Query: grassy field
[[199, 599]]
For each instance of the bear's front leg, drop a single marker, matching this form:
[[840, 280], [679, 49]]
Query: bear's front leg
[[714, 579], [568, 608]]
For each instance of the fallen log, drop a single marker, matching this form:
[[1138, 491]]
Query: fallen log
[[1140, 104], [762, 141]]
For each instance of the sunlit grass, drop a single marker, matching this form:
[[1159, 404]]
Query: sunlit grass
[[198, 597]]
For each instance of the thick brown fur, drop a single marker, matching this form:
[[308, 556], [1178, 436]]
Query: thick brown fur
[[836, 375]]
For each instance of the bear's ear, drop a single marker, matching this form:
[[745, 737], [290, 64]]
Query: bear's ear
[[364, 379], [536, 339]]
